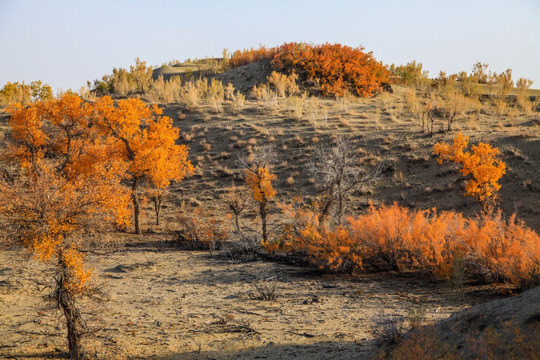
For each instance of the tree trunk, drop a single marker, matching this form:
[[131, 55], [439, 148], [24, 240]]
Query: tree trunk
[[157, 208], [236, 222], [340, 203], [136, 205], [263, 220], [328, 204], [72, 314], [73, 321]]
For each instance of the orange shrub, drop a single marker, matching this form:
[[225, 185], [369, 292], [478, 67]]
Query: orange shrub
[[399, 239], [337, 68], [499, 250], [329, 249], [395, 238], [248, 56]]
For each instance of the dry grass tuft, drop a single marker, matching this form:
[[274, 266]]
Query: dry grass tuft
[[240, 144], [344, 123], [290, 181]]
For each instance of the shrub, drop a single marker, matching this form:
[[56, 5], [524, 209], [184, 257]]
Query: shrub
[[523, 100], [201, 228], [395, 238], [389, 328], [165, 91], [498, 250], [509, 341], [336, 68], [229, 91], [259, 91], [296, 107], [238, 102], [489, 248], [330, 249], [483, 166], [141, 75], [418, 110], [216, 94], [480, 73], [247, 56], [451, 106], [410, 74], [23, 94], [445, 83], [523, 84], [268, 289], [284, 85], [190, 96], [503, 83], [470, 84], [123, 82]]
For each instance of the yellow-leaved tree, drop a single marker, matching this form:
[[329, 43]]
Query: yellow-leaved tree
[[73, 157], [259, 180], [481, 163], [67, 187], [146, 141]]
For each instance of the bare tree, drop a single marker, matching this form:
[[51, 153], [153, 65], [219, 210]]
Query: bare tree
[[336, 172], [237, 202], [157, 195]]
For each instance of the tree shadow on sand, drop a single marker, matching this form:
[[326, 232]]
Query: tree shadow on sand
[[316, 351]]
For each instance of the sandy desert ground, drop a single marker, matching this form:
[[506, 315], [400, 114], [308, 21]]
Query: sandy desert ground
[[163, 302]]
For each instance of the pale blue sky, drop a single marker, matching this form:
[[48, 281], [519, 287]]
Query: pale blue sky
[[65, 43]]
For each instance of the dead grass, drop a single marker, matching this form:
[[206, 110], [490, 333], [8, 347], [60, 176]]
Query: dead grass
[[290, 181]]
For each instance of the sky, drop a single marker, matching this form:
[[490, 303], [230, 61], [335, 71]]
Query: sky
[[65, 43]]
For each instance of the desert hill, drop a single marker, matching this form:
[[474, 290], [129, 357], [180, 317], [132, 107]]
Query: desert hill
[[380, 129], [164, 298]]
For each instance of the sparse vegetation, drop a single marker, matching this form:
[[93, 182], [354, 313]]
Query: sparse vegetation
[[411, 74], [22, 93], [75, 173]]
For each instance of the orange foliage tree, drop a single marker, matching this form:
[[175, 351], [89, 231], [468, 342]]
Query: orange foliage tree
[[481, 163], [259, 180], [337, 68], [73, 158], [68, 186], [146, 142]]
